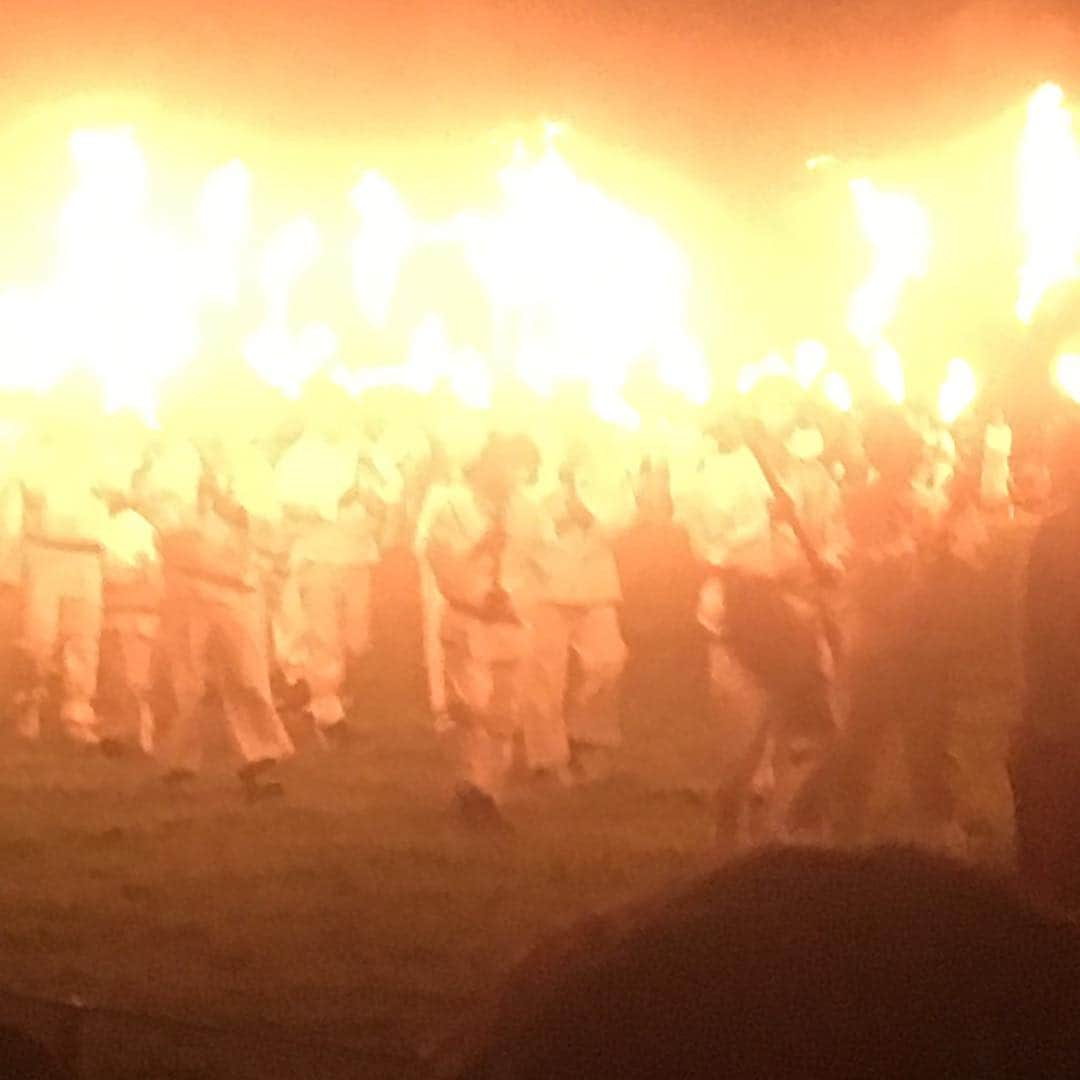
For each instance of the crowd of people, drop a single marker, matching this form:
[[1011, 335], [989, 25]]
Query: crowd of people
[[149, 571]]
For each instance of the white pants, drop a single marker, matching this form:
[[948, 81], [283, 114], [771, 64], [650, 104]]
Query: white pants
[[61, 633], [433, 611], [323, 621], [591, 713], [483, 670], [216, 635]]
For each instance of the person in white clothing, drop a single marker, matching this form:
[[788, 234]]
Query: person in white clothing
[[484, 548], [455, 444], [322, 624], [995, 481], [132, 616], [213, 631], [64, 519], [572, 735], [16, 675]]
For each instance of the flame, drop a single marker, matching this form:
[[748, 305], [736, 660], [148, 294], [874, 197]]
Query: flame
[[772, 366], [432, 359], [889, 371], [584, 286], [123, 288], [388, 233], [580, 287], [1049, 199], [223, 215], [683, 367], [957, 391], [810, 360], [31, 355], [899, 232], [610, 407], [837, 390], [1067, 375], [284, 359]]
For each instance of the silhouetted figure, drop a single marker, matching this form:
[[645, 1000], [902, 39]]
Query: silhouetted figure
[[25, 1058], [897, 647], [800, 962], [1044, 763]]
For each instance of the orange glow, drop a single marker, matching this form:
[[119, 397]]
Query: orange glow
[[899, 232], [122, 300], [284, 358], [958, 391], [224, 218], [587, 286], [569, 270], [387, 234], [810, 360], [1049, 199], [837, 391], [889, 371], [773, 366], [1067, 375]]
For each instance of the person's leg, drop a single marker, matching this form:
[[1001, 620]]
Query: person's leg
[[183, 667], [80, 633], [592, 718], [433, 610], [543, 688], [42, 591], [323, 601], [926, 733], [254, 724], [740, 714], [482, 687]]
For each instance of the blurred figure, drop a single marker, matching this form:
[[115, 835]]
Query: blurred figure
[[769, 657], [455, 445], [484, 547], [132, 596], [1044, 762], [322, 623], [214, 623], [572, 734], [796, 963], [995, 481], [16, 673], [63, 521], [897, 673]]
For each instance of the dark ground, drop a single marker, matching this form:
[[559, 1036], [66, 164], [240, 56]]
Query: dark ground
[[356, 910]]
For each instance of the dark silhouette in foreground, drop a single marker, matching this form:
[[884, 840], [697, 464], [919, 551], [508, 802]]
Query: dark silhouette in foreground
[[799, 962], [25, 1058], [1044, 760]]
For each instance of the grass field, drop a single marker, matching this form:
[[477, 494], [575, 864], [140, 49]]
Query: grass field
[[356, 909]]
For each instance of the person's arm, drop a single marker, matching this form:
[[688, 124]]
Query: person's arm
[[452, 550]]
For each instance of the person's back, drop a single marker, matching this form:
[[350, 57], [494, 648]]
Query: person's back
[[801, 962]]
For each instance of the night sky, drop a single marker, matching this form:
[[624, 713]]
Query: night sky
[[713, 86]]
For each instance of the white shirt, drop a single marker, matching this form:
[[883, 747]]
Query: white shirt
[[580, 560], [727, 512], [64, 476], [313, 474]]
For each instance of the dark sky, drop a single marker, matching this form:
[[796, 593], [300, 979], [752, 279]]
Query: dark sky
[[721, 85]]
